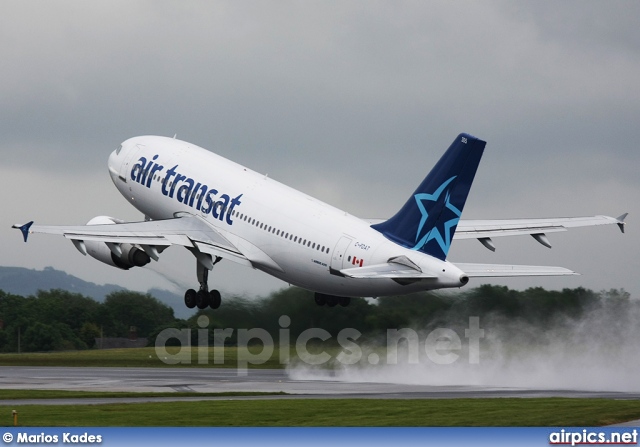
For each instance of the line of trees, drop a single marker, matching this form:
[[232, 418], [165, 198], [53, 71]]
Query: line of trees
[[535, 307], [61, 320]]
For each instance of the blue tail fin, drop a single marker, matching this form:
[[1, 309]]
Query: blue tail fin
[[428, 220]]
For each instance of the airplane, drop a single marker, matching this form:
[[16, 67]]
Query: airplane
[[218, 209]]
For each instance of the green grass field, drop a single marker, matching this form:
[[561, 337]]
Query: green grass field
[[137, 357], [64, 394], [333, 412], [228, 357]]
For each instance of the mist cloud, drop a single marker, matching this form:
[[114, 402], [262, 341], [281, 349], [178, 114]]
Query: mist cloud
[[597, 352]]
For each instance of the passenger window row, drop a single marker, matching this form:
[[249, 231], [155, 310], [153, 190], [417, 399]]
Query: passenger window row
[[263, 226], [281, 233]]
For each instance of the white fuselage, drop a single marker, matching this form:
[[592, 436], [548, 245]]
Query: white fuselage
[[308, 241]]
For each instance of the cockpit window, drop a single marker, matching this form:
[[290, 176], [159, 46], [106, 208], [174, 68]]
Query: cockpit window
[[118, 150]]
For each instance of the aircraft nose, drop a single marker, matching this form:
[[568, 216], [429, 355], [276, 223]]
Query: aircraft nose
[[114, 162]]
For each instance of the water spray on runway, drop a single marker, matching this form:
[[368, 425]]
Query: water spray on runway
[[599, 351]]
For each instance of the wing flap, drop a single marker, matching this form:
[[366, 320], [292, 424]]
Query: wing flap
[[155, 232], [499, 270], [116, 239], [187, 231], [231, 255]]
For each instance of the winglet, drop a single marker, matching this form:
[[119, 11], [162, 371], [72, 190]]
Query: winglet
[[621, 222], [24, 228]]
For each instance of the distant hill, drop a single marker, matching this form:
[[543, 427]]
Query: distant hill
[[176, 302], [25, 282]]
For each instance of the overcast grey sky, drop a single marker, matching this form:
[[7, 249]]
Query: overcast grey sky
[[349, 101]]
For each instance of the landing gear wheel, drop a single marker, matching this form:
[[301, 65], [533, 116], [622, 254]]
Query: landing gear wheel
[[190, 298], [202, 299], [214, 299], [320, 299], [344, 301], [332, 301]]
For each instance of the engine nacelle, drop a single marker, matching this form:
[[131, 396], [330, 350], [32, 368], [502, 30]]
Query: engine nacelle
[[128, 256]]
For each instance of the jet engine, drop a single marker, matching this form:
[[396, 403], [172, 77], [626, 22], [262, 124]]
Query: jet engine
[[123, 256]]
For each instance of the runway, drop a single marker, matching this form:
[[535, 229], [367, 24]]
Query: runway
[[217, 380]]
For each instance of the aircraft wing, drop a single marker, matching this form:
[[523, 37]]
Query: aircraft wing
[[497, 270], [189, 231], [484, 230]]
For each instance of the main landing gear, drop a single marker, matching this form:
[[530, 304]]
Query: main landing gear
[[203, 297], [330, 300]]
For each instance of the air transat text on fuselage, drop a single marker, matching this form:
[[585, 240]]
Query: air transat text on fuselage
[[189, 192]]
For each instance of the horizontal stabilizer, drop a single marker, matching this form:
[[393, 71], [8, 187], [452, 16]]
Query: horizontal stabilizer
[[389, 270], [497, 270]]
